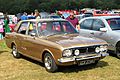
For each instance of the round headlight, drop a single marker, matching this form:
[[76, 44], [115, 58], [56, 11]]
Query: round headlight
[[67, 53], [77, 52], [103, 48], [97, 49]]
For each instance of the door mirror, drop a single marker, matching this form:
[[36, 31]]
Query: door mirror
[[103, 29], [33, 34]]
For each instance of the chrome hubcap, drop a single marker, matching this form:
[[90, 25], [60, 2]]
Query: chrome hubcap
[[14, 51], [48, 62]]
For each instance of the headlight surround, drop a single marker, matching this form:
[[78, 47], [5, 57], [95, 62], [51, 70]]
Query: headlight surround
[[102, 48], [67, 53], [97, 49], [76, 52]]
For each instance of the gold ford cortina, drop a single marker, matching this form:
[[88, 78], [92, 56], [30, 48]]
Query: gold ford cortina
[[54, 42]]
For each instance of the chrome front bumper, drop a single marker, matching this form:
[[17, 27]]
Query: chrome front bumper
[[82, 57]]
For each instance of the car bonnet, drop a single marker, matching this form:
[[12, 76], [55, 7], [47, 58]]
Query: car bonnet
[[75, 40]]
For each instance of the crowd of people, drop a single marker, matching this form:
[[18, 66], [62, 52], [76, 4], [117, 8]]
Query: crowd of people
[[35, 15], [7, 26], [4, 26]]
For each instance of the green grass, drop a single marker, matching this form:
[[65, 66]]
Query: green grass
[[27, 69]]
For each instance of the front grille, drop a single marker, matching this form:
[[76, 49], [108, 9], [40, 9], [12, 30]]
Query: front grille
[[86, 50]]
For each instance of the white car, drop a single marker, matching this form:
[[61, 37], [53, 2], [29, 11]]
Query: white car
[[103, 27]]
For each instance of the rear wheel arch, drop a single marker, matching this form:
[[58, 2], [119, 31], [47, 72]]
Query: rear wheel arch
[[15, 52], [12, 44]]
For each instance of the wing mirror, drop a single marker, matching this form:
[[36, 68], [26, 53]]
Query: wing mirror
[[33, 34], [103, 29]]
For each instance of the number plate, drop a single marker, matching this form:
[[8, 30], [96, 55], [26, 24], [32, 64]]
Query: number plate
[[86, 62]]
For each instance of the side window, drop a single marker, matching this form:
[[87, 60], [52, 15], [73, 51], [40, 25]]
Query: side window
[[32, 29], [56, 26], [23, 28], [67, 27], [43, 28], [86, 24], [97, 24]]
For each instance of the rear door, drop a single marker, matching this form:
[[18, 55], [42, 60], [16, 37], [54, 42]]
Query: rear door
[[20, 36], [31, 41]]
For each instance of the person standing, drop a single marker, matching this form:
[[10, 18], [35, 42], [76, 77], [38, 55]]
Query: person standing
[[37, 14], [24, 16], [6, 24], [14, 19], [1, 29], [72, 19]]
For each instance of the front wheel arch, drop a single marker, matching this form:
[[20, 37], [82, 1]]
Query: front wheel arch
[[44, 55], [49, 62], [12, 45]]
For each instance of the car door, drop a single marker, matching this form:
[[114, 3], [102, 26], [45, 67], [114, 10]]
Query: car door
[[20, 35], [32, 42], [99, 24], [86, 27]]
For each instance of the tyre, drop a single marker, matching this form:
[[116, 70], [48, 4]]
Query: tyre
[[49, 63], [118, 55], [15, 52], [118, 50]]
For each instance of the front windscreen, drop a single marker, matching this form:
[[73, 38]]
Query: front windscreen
[[114, 23], [55, 28]]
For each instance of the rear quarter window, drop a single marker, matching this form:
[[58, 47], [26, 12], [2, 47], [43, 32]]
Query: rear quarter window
[[23, 27]]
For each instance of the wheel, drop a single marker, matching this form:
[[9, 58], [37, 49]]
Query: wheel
[[118, 50], [15, 52], [49, 63], [118, 55]]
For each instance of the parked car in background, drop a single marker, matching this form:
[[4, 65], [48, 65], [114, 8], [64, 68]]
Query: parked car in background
[[100, 13], [44, 15], [104, 27], [54, 42], [54, 16], [65, 15], [81, 16]]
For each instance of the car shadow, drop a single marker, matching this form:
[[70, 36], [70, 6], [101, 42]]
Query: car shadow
[[75, 68], [32, 61], [70, 69], [3, 51], [111, 53]]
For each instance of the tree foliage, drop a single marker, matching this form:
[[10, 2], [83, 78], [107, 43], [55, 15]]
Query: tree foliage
[[16, 6]]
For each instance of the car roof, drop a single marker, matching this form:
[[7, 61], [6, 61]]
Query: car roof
[[38, 20], [103, 17], [46, 19]]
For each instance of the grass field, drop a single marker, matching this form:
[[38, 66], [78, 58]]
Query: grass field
[[27, 69]]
